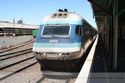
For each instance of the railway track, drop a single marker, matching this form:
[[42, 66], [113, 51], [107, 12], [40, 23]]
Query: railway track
[[15, 61], [18, 68], [14, 54], [16, 46], [18, 65], [48, 80], [66, 80], [7, 64], [9, 58], [12, 57]]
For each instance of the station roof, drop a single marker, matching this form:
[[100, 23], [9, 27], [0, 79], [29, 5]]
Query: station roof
[[102, 8], [15, 25]]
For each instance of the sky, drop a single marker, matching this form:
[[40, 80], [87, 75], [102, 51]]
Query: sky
[[33, 11]]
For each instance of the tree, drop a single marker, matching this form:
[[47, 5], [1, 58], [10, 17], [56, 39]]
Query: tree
[[20, 22]]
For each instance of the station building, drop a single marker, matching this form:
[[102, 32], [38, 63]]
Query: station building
[[14, 29]]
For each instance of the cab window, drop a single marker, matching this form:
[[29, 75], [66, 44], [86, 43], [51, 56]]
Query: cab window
[[78, 30]]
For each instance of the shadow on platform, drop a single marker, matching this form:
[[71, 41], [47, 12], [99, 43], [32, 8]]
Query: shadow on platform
[[100, 61], [121, 55], [101, 71]]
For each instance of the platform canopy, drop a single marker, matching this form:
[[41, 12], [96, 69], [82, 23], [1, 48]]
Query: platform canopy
[[102, 8], [110, 16]]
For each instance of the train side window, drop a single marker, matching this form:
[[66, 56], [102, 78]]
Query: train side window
[[78, 31]]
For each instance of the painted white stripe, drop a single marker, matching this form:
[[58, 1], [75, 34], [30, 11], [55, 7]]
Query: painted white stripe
[[84, 73], [56, 49]]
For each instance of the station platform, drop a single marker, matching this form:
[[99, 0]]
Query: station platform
[[100, 66], [121, 55], [101, 58], [100, 61], [100, 70]]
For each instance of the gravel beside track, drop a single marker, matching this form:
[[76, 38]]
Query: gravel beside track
[[19, 46], [18, 65], [9, 41], [15, 60], [14, 54]]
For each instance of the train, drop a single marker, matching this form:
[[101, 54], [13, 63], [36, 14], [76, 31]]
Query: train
[[61, 40], [34, 32]]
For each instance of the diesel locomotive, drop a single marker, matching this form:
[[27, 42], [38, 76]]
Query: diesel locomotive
[[61, 40]]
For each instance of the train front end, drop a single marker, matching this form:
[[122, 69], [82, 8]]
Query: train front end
[[58, 44]]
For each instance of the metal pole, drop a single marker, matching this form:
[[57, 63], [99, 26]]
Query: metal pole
[[22, 27], [14, 32], [3, 28], [4, 32], [115, 35]]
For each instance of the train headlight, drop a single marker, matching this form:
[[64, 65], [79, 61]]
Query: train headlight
[[66, 54], [72, 55], [44, 54], [38, 55], [34, 53], [60, 54]]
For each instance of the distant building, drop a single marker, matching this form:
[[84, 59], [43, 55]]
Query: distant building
[[9, 28]]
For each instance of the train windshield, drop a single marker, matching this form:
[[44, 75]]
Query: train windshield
[[56, 31]]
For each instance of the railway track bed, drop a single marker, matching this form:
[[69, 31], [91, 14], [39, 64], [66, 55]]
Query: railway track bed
[[17, 46], [19, 66]]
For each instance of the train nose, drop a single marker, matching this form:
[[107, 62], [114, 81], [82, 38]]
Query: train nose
[[51, 56], [39, 55], [57, 60]]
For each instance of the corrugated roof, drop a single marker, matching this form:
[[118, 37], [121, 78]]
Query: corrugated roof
[[102, 8]]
